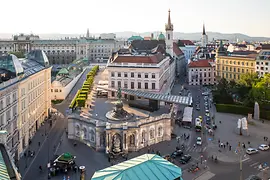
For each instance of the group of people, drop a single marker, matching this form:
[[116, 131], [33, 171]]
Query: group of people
[[224, 145]]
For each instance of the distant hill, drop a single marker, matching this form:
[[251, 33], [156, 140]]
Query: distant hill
[[177, 35]]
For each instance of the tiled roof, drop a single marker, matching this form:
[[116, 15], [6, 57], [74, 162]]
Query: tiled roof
[[187, 42], [147, 166], [200, 63], [265, 46], [146, 44], [151, 58], [177, 50]]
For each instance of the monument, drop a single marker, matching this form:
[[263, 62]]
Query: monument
[[118, 113], [256, 111], [242, 127]]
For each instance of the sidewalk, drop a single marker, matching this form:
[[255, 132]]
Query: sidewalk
[[39, 136], [203, 174]]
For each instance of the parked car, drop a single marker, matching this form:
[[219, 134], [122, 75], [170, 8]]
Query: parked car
[[206, 110], [199, 141], [207, 114], [177, 153], [251, 151], [263, 147], [254, 177], [185, 159]]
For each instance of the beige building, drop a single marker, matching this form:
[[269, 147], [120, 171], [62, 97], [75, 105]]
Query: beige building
[[25, 98], [201, 72]]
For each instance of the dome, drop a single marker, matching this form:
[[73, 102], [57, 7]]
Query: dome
[[161, 37]]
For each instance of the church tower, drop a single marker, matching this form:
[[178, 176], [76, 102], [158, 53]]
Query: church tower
[[204, 37], [169, 35], [87, 34]]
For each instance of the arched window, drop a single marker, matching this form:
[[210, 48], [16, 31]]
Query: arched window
[[160, 131], [84, 133], [169, 37], [77, 130], [92, 135], [152, 134], [132, 139]]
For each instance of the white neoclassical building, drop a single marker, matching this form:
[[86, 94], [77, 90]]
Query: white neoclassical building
[[130, 135]]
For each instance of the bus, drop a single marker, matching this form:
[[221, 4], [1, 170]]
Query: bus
[[198, 125]]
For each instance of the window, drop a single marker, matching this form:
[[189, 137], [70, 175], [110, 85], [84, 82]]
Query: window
[[153, 75], [169, 37], [152, 134], [113, 84], [139, 75], [112, 74], [153, 85], [160, 131], [146, 85], [1, 105], [125, 74], [243, 63], [230, 68], [251, 64], [8, 101], [132, 85], [132, 74], [238, 69], [125, 84], [238, 63], [8, 115], [2, 120], [56, 90], [247, 63], [226, 68], [119, 83], [146, 75], [132, 139], [119, 74], [139, 85], [243, 71]]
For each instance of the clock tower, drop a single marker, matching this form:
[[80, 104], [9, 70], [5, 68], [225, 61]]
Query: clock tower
[[169, 35]]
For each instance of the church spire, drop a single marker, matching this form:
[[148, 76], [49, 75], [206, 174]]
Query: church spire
[[87, 33], [169, 25], [203, 32]]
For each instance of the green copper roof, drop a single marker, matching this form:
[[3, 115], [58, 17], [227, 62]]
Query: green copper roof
[[132, 38], [147, 166], [161, 37], [3, 169], [63, 71]]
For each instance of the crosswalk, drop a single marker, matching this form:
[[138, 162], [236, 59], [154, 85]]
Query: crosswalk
[[255, 164], [195, 149]]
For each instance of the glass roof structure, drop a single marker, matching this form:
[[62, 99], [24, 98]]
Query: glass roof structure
[[11, 63], [38, 56], [185, 100], [146, 167]]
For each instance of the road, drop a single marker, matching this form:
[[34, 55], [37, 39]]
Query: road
[[48, 147]]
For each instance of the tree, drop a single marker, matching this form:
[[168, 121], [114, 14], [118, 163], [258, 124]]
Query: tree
[[18, 54], [248, 79]]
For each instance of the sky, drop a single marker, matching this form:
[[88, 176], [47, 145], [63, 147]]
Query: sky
[[251, 17]]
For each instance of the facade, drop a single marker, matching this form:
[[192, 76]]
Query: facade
[[204, 38], [66, 79], [188, 48], [25, 98], [263, 61], [201, 72], [241, 47], [231, 67], [57, 51], [6, 46], [131, 135]]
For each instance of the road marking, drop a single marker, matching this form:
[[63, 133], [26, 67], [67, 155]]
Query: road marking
[[265, 169], [29, 167], [245, 159], [204, 149], [188, 148], [254, 164]]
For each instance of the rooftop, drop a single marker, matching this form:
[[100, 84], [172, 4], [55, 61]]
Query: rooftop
[[147, 166], [187, 42], [147, 58], [200, 63], [265, 46]]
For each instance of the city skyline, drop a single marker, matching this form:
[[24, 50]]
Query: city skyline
[[104, 17]]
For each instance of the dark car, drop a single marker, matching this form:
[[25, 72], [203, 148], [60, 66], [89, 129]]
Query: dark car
[[185, 159], [177, 153]]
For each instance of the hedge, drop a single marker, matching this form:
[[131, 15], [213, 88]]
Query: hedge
[[238, 109], [73, 102], [80, 102]]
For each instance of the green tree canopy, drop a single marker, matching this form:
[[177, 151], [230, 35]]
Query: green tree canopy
[[18, 54]]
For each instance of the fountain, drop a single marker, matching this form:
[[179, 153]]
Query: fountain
[[118, 113]]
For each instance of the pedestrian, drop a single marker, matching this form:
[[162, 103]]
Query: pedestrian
[[148, 150], [194, 145], [263, 138], [39, 144], [230, 148], [218, 141], [184, 135], [224, 146], [266, 138], [227, 143]]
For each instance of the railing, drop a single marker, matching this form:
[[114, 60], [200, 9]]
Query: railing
[[9, 82]]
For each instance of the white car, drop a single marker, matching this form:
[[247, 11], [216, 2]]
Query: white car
[[251, 151], [207, 110], [263, 147], [199, 141]]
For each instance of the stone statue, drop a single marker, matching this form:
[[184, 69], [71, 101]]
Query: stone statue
[[116, 144], [256, 111], [119, 94]]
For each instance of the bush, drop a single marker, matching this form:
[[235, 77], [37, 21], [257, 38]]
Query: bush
[[73, 102], [238, 109], [80, 102]]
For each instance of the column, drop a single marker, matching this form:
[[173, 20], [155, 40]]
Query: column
[[124, 141]]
